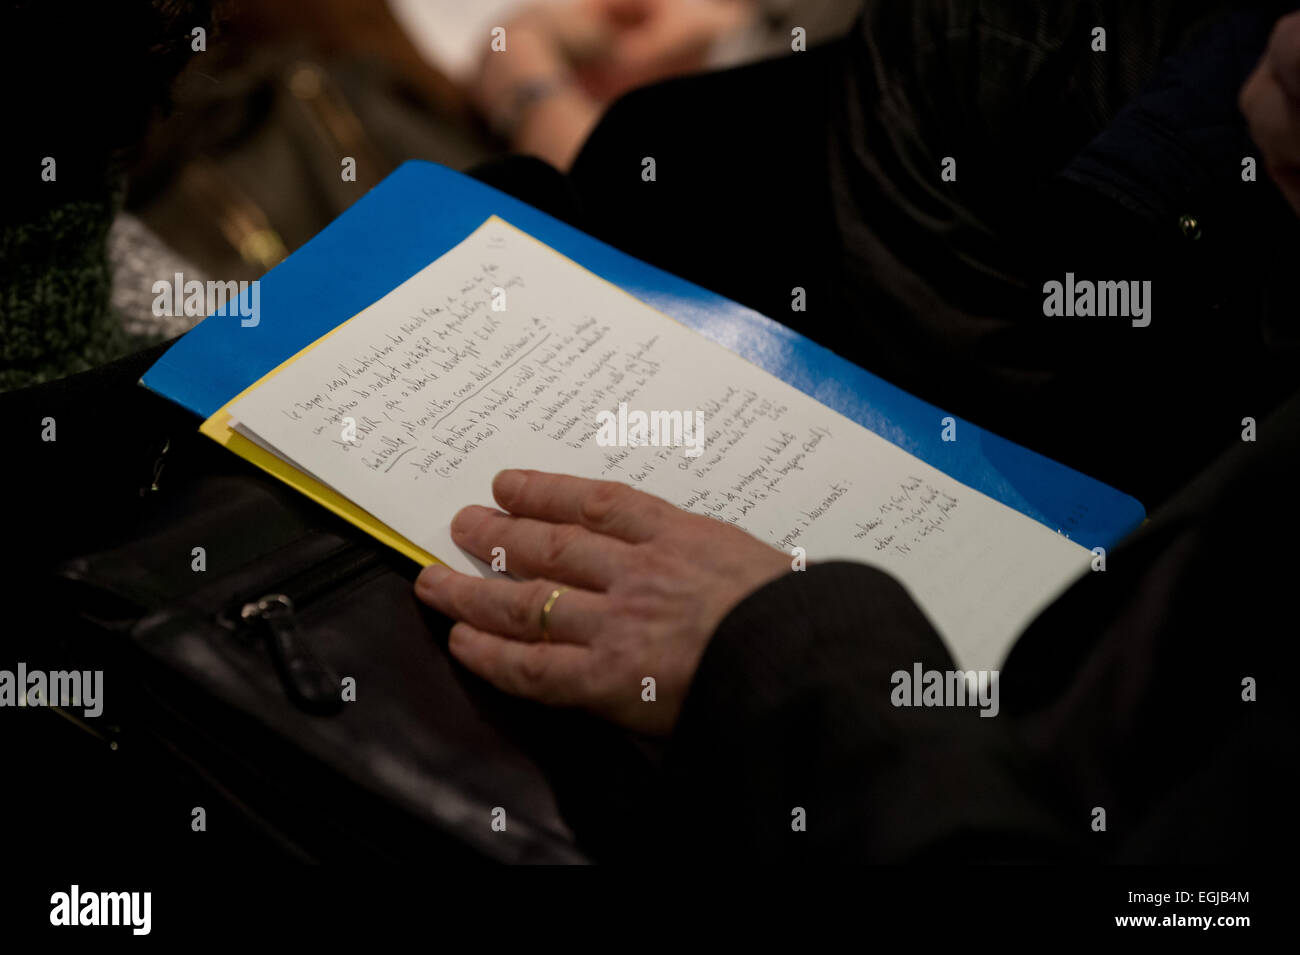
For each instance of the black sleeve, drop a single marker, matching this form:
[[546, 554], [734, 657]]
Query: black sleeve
[[791, 709], [1159, 195]]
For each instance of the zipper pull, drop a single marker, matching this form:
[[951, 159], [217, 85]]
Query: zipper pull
[[311, 684], [158, 465]]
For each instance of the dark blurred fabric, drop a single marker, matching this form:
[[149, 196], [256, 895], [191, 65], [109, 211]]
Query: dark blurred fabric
[[823, 171], [812, 172], [1126, 694]]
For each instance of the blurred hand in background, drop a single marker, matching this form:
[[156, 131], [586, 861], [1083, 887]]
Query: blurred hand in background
[[1271, 101], [617, 45], [564, 63]]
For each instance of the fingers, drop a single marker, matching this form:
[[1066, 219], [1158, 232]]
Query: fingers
[[556, 674], [1284, 54], [534, 548], [512, 608], [1273, 116], [729, 15], [626, 13], [605, 507], [1274, 120]]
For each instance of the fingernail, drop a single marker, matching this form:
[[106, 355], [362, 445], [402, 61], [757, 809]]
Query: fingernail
[[431, 576], [466, 517], [507, 485], [456, 637]]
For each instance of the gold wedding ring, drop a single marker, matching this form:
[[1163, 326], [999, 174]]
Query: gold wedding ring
[[546, 612]]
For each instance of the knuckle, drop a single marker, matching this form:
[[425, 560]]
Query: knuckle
[[599, 505], [454, 597], [647, 601], [604, 672], [603, 688], [1285, 39], [654, 585], [1283, 52], [517, 617], [619, 657], [656, 563], [558, 543], [653, 509], [1249, 95], [521, 611], [534, 666]]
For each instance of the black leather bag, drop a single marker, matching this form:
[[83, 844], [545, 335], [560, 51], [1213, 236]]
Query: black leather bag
[[240, 669]]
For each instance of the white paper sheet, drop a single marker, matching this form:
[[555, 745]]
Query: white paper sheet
[[445, 392]]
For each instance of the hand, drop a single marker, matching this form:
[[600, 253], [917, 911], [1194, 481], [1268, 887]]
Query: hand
[[532, 54], [608, 46], [1271, 101], [633, 43], [650, 585]]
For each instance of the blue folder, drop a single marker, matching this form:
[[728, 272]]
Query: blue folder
[[422, 210]]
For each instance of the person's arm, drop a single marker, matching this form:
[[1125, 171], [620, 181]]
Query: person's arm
[[531, 97], [790, 722], [774, 686]]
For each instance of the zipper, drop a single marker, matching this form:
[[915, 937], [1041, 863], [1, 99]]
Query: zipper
[[272, 619]]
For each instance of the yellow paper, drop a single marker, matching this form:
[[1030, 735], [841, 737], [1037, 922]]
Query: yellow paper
[[218, 429]]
